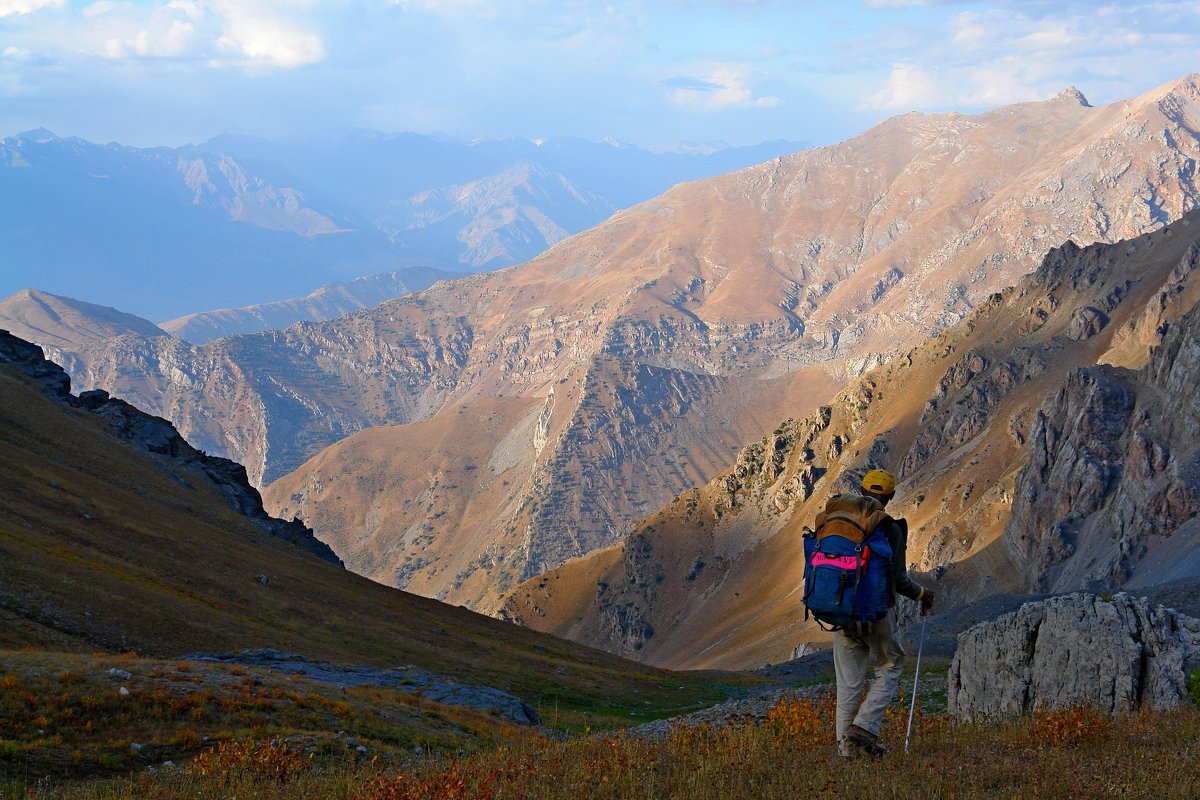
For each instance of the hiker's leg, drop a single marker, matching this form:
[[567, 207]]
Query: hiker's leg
[[884, 641], [850, 658]]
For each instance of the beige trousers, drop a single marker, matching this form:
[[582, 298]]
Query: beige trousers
[[851, 655]]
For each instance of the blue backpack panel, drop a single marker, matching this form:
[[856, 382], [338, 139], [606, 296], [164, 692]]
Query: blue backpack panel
[[848, 565]]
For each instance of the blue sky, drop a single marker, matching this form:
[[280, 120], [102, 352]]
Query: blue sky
[[151, 72]]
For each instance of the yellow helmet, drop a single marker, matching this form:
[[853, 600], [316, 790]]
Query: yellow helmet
[[879, 481]]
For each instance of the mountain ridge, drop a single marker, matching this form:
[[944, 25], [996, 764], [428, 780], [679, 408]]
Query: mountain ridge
[[324, 303], [156, 437], [65, 322]]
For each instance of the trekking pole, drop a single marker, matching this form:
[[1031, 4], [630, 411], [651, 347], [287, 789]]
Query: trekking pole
[[916, 676]]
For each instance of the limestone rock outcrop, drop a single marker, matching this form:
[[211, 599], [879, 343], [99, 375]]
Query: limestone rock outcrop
[[1079, 649]]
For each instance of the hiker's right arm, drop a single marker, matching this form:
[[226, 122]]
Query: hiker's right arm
[[903, 584]]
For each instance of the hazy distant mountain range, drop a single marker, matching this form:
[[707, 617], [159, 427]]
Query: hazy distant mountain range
[[164, 232], [487, 203], [57, 322]]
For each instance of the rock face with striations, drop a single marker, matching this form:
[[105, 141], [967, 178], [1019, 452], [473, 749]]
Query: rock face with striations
[[1113, 655], [159, 437]]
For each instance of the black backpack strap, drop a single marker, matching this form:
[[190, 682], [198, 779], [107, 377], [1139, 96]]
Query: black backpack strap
[[902, 524]]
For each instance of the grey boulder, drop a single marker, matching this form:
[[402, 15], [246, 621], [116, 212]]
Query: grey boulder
[[1114, 655]]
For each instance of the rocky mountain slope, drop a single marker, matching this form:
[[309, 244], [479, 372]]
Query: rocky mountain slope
[[328, 302], [632, 360], [1029, 461], [116, 536]]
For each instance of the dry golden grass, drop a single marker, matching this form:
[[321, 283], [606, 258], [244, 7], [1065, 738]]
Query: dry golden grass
[[1073, 753]]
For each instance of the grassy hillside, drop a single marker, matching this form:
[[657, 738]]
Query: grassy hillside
[[73, 717], [108, 549]]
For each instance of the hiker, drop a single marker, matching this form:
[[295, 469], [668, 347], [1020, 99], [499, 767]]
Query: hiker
[[871, 561]]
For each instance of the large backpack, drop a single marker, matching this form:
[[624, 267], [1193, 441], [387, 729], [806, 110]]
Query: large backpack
[[847, 573]]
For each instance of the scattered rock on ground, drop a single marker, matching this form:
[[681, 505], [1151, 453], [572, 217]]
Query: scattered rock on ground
[[420, 682], [749, 709]]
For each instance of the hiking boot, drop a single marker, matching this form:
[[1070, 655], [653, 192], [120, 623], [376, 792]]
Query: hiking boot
[[848, 749], [868, 741]]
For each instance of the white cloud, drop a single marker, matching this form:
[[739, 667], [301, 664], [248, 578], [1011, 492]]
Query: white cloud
[[102, 7], [11, 7], [996, 84], [911, 87], [119, 31], [177, 39], [1021, 50], [220, 33], [270, 42], [191, 10], [1052, 37], [719, 88], [908, 87], [969, 31], [271, 33], [468, 9]]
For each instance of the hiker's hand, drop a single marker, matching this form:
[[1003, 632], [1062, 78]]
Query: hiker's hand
[[926, 602]]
